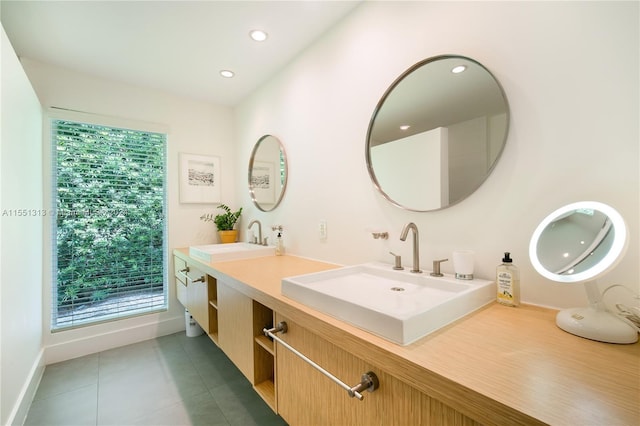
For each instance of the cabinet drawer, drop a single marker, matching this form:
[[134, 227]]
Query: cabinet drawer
[[196, 275], [179, 269], [181, 292]]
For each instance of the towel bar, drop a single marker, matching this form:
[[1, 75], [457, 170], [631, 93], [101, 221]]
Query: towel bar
[[368, 381]]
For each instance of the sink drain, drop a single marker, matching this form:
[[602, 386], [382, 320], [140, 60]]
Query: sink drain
[[397, 289]]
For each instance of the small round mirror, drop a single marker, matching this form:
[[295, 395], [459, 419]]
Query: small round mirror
[[267, 173], [579, 243]]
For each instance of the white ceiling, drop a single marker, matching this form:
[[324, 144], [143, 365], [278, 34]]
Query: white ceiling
[[176, 46]]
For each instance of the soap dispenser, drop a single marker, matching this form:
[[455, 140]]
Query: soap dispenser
[[279, 244], [508, 282]]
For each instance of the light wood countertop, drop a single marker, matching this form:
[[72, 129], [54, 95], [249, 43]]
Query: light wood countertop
[[498, 365]]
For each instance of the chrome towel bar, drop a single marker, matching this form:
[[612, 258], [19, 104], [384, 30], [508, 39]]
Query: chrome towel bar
[[368, 381]]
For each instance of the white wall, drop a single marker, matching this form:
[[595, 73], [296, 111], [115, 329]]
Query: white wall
[[21, 360], [570, 72], [194, 127]]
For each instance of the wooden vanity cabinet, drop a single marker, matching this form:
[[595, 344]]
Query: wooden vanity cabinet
[[264, 355], [492, 382], [235, 327], [307, 397], [241, 320]]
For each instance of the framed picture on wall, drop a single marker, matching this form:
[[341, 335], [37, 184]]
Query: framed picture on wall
[[199, 178], [263, 182]]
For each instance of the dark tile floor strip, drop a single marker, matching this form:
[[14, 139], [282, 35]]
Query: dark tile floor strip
[[173, 380]]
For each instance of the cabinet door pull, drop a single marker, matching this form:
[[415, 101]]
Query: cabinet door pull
[[199, 280], [368, 382], [185, 270]]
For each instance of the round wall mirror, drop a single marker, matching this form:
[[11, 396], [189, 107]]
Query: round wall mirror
[[437, 133], [267, 173], [576, 243]]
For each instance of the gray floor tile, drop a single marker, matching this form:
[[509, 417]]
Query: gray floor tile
[[122, 397], [173, 380], [68, 376], [74, 408], [218, 372], [242, 406], [198, 410], [144, 355], [245, 413]]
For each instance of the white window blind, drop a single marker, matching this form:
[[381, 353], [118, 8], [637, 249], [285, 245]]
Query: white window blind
[[109, 228]]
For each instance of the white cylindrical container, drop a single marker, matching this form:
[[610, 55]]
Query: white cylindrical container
[[193, 328], [463, 261]]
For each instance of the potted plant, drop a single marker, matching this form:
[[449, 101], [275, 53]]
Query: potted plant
[[225, 223]]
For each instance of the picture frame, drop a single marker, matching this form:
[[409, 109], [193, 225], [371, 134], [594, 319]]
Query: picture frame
[[199, 178]]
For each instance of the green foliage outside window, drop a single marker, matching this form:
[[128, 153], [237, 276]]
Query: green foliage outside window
[[110, 224]]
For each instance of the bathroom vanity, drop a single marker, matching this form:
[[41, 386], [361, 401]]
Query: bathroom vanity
[[498, 365]]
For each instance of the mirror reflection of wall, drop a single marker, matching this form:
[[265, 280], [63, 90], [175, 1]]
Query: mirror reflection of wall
[[462, 120], [267, 173], [426, 158], [474, 147]]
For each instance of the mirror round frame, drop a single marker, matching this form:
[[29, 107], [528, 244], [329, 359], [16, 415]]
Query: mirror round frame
[[610, 259], [285, 172], [383, 99]]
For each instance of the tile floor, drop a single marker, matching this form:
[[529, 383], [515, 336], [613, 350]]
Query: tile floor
[[172, 380]]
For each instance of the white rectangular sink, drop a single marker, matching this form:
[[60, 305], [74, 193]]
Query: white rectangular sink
[[397, 305], [232, 251]]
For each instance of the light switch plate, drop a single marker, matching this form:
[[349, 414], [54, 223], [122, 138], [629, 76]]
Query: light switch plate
[[322, 229]]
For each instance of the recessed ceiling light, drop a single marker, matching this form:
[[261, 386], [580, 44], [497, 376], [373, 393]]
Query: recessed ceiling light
[[258, 35], [404, 127], [458, 69], [227, 73]]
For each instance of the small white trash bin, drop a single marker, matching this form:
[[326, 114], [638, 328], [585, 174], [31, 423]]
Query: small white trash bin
[[193, 328]]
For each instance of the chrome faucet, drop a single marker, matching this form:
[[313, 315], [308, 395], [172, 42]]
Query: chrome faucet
[[259, 229], [416, 250]]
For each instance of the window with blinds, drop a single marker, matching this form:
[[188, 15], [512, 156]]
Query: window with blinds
[[109, 229]]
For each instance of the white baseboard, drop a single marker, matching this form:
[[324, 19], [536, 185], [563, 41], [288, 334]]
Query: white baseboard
[[113, 339], [21, 409]]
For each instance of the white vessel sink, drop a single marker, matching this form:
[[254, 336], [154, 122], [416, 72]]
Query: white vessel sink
[[397, 305], [232, 251]]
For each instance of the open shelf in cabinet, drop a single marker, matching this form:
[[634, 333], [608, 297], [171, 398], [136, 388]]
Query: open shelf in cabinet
[[263, 355], [213, 308], [265, 343], [267, 391]]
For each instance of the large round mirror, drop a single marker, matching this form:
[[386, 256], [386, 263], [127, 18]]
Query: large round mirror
[[437, 133], [580, 242], [267, 173]]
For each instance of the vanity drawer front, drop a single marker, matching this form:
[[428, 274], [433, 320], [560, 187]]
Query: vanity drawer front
[[179, 267], [195, 275], [181, 292]]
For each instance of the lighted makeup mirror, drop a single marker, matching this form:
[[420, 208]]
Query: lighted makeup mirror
[[580, 242]]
